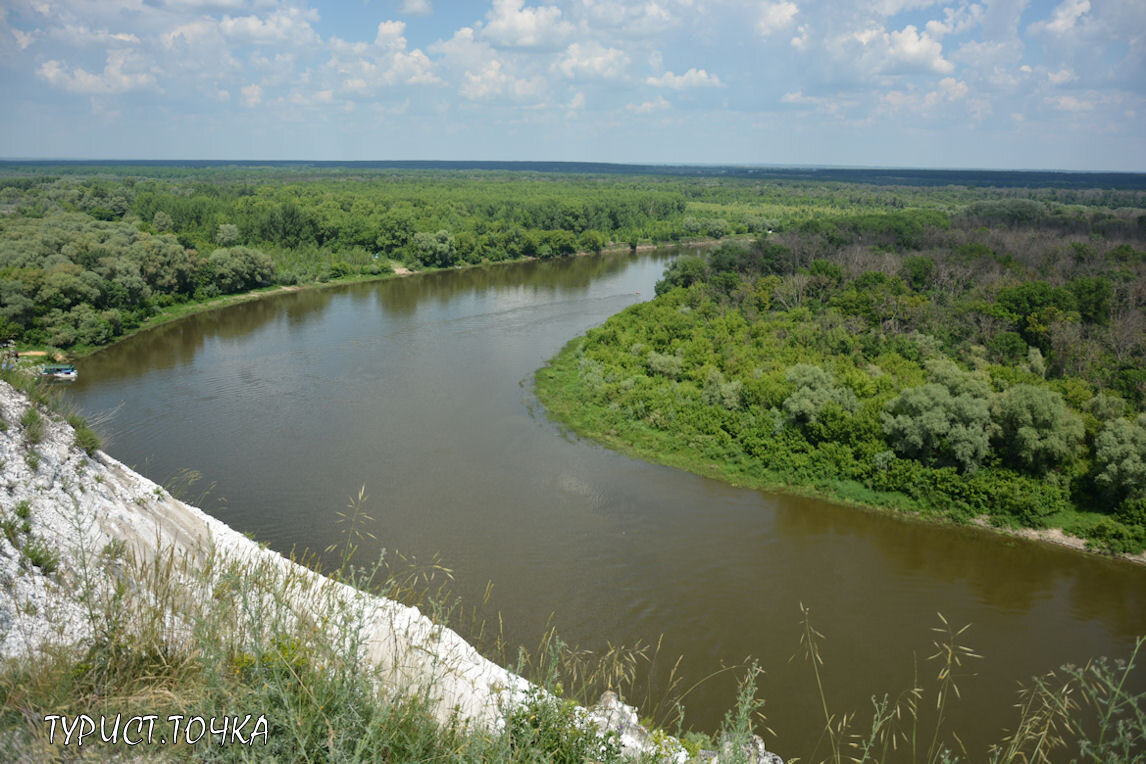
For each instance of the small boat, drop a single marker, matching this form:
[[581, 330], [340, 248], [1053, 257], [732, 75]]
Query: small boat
[[60, 373]]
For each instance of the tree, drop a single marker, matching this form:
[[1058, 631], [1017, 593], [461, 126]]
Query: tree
[[162, 221], [227, 234], [815, 390], [1036, 430], [438, 250], [593, 241], [682, 272], [1120, 455], [930, 424]]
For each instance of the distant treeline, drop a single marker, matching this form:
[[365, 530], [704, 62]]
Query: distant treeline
[[869, 175]]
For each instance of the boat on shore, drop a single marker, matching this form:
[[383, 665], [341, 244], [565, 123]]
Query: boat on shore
[[60, 373]]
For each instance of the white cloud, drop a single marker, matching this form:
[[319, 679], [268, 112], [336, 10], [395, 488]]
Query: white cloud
[[578, 101], [592, 60], [252, 94], [956, 21], [659, 104], [950, 90], [289, 26], [511, 25], [24, 39], [390, 35], [800, 41], [416, 7], [693, 78], [1062, 77], [80, 34], [491, 81], [775, 17], [912, 51], [361, 68], [1070, 103], [1064, 18], [123, 72]]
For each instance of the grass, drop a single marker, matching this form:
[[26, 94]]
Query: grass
[[33, 424], [193, 634]]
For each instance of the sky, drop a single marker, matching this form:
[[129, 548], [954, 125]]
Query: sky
[[994, 84]]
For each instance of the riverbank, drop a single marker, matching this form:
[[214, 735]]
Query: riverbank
[[119, 598], [175, 312], [559, 388]]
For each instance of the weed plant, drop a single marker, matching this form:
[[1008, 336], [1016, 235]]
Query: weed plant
[[207, 633]]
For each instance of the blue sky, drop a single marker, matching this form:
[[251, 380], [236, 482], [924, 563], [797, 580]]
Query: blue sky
[[985, 84]]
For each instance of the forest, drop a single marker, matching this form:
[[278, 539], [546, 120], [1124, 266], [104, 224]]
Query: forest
[[89, 253], [985, 364]]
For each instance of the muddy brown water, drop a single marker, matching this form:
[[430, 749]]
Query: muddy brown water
[[420, 389]]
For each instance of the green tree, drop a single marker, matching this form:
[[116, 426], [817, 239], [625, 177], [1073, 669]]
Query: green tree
[[226, 234], [438, 250], [930, 424], [815, 389], [1037, 431], [1120, 456]]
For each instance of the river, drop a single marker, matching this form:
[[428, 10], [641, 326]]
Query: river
[[419, 389]]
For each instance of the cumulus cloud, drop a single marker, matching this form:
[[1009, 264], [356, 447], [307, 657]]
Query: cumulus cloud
[[956, 21], [511, 25], [658, 104], [775, 17], [1064, 18], [24, 39], [123, 72], [910, 50], [492, 81], [252, 94], [950, 90], [1070, 104], [693, 78], [592, 60], [289, 26], [361, 68]]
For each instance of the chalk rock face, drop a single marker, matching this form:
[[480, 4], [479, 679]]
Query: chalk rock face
[[611, 715]]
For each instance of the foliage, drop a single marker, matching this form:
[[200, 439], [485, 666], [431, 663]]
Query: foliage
[[1036, 430], [937, 427], [990, 380], [1120, 457]]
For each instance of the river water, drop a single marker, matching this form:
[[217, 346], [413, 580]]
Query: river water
[[420, 390]]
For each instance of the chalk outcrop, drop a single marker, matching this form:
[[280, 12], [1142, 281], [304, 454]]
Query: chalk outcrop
[[66, 512]]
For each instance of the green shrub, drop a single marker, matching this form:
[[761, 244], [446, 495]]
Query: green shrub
[[33, 423]]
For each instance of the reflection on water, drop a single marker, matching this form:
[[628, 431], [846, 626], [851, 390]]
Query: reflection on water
[[413, 387]]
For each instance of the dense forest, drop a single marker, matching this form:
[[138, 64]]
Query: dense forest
[[986, 364], [91, 252]]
